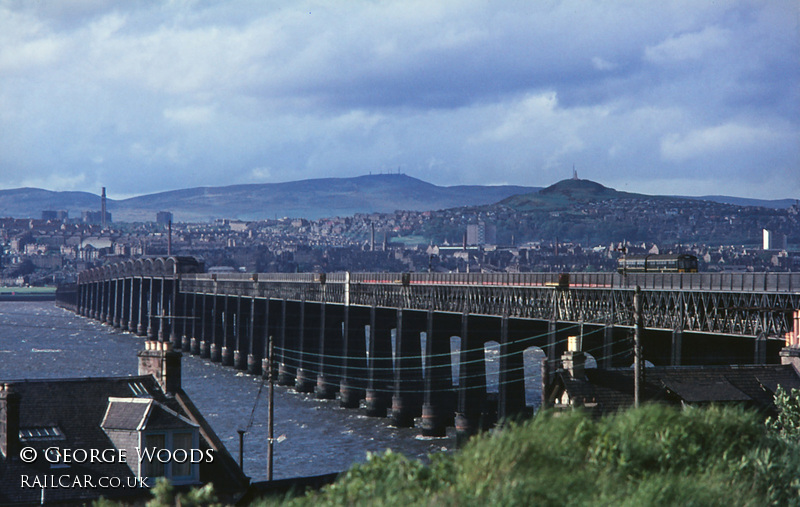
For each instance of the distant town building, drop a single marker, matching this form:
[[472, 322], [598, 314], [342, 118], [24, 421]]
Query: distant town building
[[95, 218], [164, 217], [481, 234], [55, 215], [773, 241]]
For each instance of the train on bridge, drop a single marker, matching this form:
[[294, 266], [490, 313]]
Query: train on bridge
[[671, 263]]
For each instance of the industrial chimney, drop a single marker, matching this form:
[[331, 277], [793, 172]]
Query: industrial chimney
[[103, 209]]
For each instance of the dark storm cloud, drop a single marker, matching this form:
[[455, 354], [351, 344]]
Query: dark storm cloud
[[663, 97]]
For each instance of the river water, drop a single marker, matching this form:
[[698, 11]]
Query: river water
[[39, 340]]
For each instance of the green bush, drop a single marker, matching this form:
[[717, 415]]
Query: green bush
[[655, 455]]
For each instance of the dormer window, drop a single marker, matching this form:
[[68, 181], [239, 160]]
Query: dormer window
[[166, 441], [170, 454]]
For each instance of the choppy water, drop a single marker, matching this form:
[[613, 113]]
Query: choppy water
[[38, 340]]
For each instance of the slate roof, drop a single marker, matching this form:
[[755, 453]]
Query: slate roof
[[609, 390], [125, 416], [137, 414]]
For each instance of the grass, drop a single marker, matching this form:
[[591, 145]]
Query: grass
[[655, 455]]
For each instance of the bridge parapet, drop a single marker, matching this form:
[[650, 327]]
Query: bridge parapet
[[728, 303], [733, 282], [687, 302]]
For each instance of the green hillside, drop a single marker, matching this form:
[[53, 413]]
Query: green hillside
[[566, 193]]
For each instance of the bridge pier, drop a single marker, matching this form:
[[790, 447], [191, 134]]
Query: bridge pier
[[177, 319], [99, 314], [103, 301], [117, 302], [90, 299], [111, 286], [438, 408], [116, 298], [189, 323], [95, 304], [152, 308], [257, 332], [101, 310], [125, 308], [107, 296], [407, 399], [133, 311], [228, 328], [760, 349], [87, 300], [511, 391], [163, 311], [677, 342], [287, 369], [271, 331], [140, 324], [201, 339], [308, 347], [379, 361], [94, 311], [217, 325], [81, 294], [608, 345], [472, 379], [354, 356], [242, 334], [330, 351]]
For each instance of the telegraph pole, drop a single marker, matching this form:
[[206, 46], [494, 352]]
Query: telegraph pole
[[637, 346], [270, 417]]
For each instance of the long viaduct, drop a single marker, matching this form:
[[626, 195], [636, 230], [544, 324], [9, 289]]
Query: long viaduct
[[391, 342]]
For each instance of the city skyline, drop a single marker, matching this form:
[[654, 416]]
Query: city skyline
[[674, 98]]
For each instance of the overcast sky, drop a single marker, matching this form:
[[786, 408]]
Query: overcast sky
[[662, 97]]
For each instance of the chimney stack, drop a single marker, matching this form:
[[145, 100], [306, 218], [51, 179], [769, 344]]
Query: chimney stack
[[164, 363], [574, 360], [372, 237], [103, 209], [9, 422]]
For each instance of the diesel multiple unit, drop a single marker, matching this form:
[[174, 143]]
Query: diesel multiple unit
[[681, 263]]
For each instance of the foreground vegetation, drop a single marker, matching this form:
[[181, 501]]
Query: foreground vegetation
[[655, 455]]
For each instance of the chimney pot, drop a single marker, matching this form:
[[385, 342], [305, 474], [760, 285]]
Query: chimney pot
[[163, 363]]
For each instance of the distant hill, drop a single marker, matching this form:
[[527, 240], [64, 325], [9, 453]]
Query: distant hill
[[572, 191], [30, 202], [744, 201], [327, 197], [567, 192], [314, 198], [587, 212]]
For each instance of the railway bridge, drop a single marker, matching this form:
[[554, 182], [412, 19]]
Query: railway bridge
[[450, 348]]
